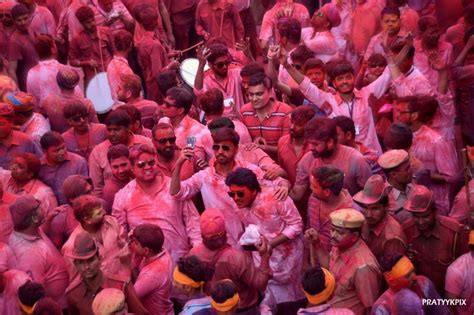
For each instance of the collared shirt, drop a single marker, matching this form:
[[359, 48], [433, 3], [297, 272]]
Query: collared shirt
[[237, 265], [386, 236], [319, 211], [220, 19], [287, 157], [54, 176], [9, 303], [7, 258], [375, 44], [167, 167], [460, 282], [147, 109], [38, 257], [408, 19], [45, 71], [22, 50], [118, 9], [396, 200], [412, 83], [459, 209], [179, 220], [68, 25], [350, 161], [111, 188], [273, 218], [153, 285], [117, 67], [52, 107], [19, 143], [99, 166], [358, 109], [438, 157], [42, 22], [366, 23], [437, 249], [6, 221], [189, 127], [422, 63], [36, 127], [357, 276], [62, 225], [272, 127], [96, 135], [322, 44]]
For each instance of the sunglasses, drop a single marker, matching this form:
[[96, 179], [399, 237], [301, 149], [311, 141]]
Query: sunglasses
[[171, 140], [224, 147], [239, 194], [221, 64], [142, 164]]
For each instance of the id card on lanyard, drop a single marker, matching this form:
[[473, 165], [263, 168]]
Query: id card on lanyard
[[350, 107]]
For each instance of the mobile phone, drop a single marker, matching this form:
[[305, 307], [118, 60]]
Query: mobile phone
[[228, 102], [191, 141]]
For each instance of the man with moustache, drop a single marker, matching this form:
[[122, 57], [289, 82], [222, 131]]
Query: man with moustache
[[321, 135]]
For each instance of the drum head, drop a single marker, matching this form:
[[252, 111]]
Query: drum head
[[188, 70], [98, 91]]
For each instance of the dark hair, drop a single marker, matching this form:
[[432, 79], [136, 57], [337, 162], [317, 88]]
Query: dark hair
[[122, 40], [377, 59], [132, 111], [390, 10], [346, 124], [83, 206], [44, 44], [261, 78], [51, 139], [118, 118], [290, 28], [250, 69], [182, 97], [323, 129], [398, 46], [84, 14], [217, 51], [193, 267], [223, 290], [340, 68], [388, 260], [314, 280], [398, 136], [215, 242], [302, 114], [425, 21], [301, 53], [161, 126], [150, 236], [132, 83], [212, 102], [19, 10], [314, 63], [117, 151], [30, 292], [226, 134], [75, 186], [74, 108], [243, 177], [221, 122], [146, 15], [32, 162], [469, 15], [425, 105], [47, 306], [166, 80], [329, 177], [140, 149]]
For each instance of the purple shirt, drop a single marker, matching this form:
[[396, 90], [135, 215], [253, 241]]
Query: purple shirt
[[97, 134], [20, 143]]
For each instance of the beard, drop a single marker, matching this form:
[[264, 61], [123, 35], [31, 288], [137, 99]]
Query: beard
[[167, 153]]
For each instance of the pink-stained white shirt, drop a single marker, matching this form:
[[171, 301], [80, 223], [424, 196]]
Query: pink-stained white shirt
[[437, 156], [99, 167], [366, 23], [111, 242], [421, 60], [273, 218], [36, 127], [7, 258], [42, 22], [358, 110], [117, 67], [459, 208], [38, 257], [9, 303], [323, 44], [6, 222], [231, 87], [179, 220], [375, 44], [118, 9], [153, 285], [243, 132], [460, 282], [443, 120], [45, 71], [189, 127], [412, 83], [68, 25], [408, 19], [269, 31]]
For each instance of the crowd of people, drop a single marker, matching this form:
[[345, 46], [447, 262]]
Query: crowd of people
[[316, 158]]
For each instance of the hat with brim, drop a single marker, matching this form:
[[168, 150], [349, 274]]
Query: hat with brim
[[84, 247], [419, 200], [374, 190], [347, 218]]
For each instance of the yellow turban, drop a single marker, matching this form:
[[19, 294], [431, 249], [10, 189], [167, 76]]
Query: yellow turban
[[183, 279], [324, 295], [227, 305], [401, 269]]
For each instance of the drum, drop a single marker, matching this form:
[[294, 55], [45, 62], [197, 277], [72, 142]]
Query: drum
[[98, 91], [188, 70]]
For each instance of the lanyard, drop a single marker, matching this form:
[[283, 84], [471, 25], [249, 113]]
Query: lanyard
[[350, 107]]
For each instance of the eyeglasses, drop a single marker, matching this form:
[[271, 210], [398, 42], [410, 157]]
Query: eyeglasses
[[221, 64], [224, 147], [171, 140], [239, 194], [142, 164]]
